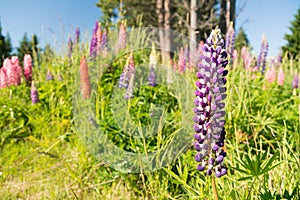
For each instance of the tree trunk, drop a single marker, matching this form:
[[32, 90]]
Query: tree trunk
[[222, 22], [232, 12], [160, 17], [227, 15], [167, 39], [193, 25]]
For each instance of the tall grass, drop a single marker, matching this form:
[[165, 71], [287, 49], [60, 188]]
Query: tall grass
[[43, 156]]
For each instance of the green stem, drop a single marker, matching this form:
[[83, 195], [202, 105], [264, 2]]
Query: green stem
[[248, 196], [215, 191]]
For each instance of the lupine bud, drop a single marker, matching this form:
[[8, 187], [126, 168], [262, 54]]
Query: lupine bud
[[49, 76], [34, 94], [209, 113], [84, 79], [28, 67], [262, 57], [98, 40], [153, 63], [280, 78], [130, 88], [122, 37]]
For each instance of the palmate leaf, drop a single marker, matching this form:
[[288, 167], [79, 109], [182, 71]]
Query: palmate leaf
[[257, 165]]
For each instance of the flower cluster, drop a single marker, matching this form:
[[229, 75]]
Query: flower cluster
[[209, 111], [84, 78], [122, 37], [11, 72], [230, 39], [262, 57], [153, 63], [127, 77]]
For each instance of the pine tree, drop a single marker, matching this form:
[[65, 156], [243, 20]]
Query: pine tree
[[241, 40], [293, 40], [27, 47], [5, 46]]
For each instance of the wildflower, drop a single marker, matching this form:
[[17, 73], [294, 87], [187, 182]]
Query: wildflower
[[280, 78], [181, 61], [77, 36], [122, 37], [98, 40], [84, 78], [153, 63], [271, 74], [209, 111], [34, 94], [130, 88], [93, 45], [230, 38], [3, 78], [295, 83], [262, 57], [70, 47], [49, 76], [28, 67], [128, 70]]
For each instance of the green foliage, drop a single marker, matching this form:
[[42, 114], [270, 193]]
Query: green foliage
[[241, 40], [28, 47], [5, 46], [43, 157], [293, 39]]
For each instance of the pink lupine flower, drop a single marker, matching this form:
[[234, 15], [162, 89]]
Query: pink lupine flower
[[271, 74], [98, 39], [280, 78], [13, 71], [122, 37], [181, 61], [28, 67], [3, 78]]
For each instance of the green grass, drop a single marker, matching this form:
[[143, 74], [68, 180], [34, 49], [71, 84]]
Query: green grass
[[44, 156]]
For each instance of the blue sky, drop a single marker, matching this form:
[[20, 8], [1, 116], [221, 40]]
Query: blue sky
[[53, 20]]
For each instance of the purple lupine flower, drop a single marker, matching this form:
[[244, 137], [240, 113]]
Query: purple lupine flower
[[77, 36], [122, 37], [49, 76], [104, 39], [130, 88], [230, 39], [93, 45], [262, 57], [34, 94], [295, 83], [209, 112], [153, 63], [128, 71], [70, 47]]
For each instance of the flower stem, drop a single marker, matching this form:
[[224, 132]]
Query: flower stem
[[215, 191]]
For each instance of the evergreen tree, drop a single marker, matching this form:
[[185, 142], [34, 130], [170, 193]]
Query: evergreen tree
[[28, 47], [241, 40], [293, 39], [5, 46]]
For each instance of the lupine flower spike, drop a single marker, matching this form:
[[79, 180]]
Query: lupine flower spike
[[70, 47], [153, 63], [209, 111], [130, 75], [122, 37], [34, 94], [77, 36], [28, 68], [230, 38], [271, 74], [49, 76], [295, 83], [93, 45], [84, 78], [124, 80], [262, 57], [280, 78]]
